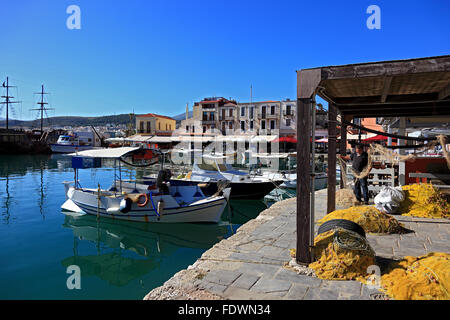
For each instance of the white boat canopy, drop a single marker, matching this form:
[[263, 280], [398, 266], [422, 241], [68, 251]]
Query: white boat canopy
[[218, 156], [114, 153]]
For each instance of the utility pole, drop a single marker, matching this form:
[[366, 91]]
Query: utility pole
[[7, 102], [42, 108]]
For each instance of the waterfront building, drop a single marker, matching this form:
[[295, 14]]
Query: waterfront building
[[154, 124], [218, 115]]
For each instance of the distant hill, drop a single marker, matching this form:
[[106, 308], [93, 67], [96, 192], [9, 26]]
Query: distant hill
[[74, 121], [182, 116]]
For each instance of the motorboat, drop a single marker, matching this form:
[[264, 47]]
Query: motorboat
[[290, 179], [151, 202], [212, 172], [69, 144], [286, 171]]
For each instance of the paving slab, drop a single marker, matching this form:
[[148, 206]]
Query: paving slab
[[269, 285], [250, 264], [245, 281]]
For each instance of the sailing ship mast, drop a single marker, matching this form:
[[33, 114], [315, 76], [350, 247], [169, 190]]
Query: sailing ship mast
[[42, 108], [7, 102]]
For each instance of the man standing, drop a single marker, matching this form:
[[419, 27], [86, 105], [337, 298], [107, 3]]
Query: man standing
[[359, 162]]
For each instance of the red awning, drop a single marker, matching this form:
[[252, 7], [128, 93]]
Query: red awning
[[286, 139], [378, 137]]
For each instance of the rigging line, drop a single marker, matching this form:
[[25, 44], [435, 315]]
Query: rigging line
[[48, 118], [415, 146], [384, 133]]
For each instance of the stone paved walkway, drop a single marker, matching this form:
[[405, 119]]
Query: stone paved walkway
[[250, 264]]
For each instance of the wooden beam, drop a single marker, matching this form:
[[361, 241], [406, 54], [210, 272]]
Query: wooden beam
[[303, 254], [343, 145], [307, 82], [444, 93], [387, 68], [392, 100], [386, 87], [331, 187], [400, 112]]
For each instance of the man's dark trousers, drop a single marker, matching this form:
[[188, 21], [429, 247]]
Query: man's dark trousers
[[361, 184]]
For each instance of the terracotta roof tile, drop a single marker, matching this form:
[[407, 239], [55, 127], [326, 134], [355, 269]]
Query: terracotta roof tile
[[154, 115]]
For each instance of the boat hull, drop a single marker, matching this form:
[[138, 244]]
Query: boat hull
[[239, 190], [205, 210], [61, 148]]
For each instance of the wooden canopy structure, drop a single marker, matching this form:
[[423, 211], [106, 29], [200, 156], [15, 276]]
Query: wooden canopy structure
[[400, 88]]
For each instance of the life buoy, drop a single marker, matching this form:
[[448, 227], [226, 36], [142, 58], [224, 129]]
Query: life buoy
[[139, 198]]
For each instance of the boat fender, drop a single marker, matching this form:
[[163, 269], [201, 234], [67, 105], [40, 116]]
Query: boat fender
[[70, 192], [143, 204], [125, 205], [113, 210], [160, 208]]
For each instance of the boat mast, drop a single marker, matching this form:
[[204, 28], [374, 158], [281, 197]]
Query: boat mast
[[7, 101], [42, 108]]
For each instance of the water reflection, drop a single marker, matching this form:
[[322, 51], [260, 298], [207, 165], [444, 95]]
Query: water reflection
[[139, 248], [242, 211], [124, 259], [12, 167]]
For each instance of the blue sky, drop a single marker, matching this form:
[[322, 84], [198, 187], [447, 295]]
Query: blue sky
[[156, 56]]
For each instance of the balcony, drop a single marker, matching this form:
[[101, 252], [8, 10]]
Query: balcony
[[227, 118], [208, 107], [208, 121], [288, 114]]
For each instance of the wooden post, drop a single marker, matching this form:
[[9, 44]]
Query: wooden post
[[303, 254], [343, 146], [331, 197]]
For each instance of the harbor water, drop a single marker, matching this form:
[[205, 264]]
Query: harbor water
[[117, 259]]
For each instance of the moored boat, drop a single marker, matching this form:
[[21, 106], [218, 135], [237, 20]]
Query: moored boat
[[158, 202], [212, 172], [69, 144]]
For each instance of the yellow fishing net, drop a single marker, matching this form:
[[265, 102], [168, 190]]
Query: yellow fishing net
[[419, 278], [369, 218], [341, 255], [424, 200]]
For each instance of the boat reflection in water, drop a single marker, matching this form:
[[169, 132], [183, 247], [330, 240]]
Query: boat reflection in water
[[152, 245]]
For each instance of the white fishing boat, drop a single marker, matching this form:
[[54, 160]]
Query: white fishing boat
[[158, 202], [290, 179], [69, 144], [288, 176], [213, 169]]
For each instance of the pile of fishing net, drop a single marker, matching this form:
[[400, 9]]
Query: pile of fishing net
[[345, 197], [419, 278], [424, 200], [369, 218], [341, 255]]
